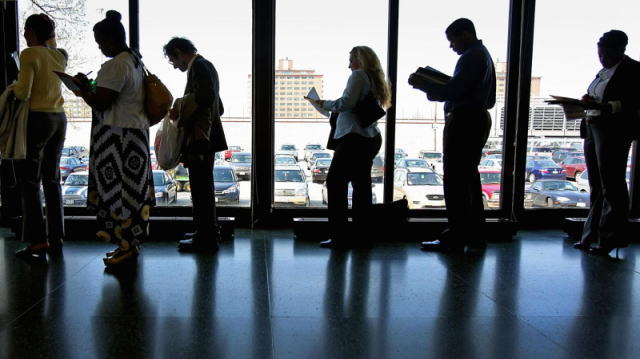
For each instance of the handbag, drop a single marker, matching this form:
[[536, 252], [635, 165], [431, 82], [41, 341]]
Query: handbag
[[157, 98], [368, 110], [331, 142]]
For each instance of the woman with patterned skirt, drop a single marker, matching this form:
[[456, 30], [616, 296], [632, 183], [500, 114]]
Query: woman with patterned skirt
[[120, 177]]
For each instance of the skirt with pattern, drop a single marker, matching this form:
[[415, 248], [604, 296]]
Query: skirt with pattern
[[120, 183]]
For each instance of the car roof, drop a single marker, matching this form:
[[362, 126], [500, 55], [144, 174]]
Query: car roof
[[489, 171], [80, 173], [287, 167], [419, 170], [240, 153], [222, 167]]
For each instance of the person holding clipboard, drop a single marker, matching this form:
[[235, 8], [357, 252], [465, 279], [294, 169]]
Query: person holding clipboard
[[46, 129]]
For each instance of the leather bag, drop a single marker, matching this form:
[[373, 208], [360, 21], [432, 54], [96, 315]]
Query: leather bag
[[368, 110]]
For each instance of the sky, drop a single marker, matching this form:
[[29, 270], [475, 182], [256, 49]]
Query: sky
[[320, 35]]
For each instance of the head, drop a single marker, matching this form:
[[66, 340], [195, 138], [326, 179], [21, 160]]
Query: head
[[110, 35], [38, 29], [461, 35], [180, 51], [611, 48], [363, 57]]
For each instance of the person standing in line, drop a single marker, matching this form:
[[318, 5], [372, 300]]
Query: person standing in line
[[612, 123], [467, 96], [356, 146], [203, 137], [120, 177], [46, 130]]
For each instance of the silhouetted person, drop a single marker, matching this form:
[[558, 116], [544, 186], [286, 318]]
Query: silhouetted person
[[467, 96], [355, 146], [203, 137], [612, 123]]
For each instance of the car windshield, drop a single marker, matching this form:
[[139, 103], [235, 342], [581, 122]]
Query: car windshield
[[241, 158], [377, 161], [559, 186], [158, 179], [544, 163], [416, 163], [68, 161], [432, 155], [423, 178], [288, 176], [223, 175], [313, 147], [321, 155], [288, 147], [285, 160], [235, 148], [77, 180], [323, 162], [182, 171], [490, 178], [399, 156]]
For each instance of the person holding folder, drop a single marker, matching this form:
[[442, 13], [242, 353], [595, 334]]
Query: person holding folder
[[46, 130], [467, 96]]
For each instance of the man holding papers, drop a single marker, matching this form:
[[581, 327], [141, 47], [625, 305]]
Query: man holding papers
[[468, 95]]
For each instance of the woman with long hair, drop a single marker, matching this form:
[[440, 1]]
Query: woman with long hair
[[356, 146], [120, 176], [46, 129]]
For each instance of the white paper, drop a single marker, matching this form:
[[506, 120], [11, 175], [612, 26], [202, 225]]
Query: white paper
[[313, 94]]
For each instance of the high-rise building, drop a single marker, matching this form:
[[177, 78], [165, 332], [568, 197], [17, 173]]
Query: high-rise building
[[291, 85], [75, 107], [501, 81]]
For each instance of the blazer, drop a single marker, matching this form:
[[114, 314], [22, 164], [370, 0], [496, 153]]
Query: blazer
[[14, 115], [204, 123], [624, 86]]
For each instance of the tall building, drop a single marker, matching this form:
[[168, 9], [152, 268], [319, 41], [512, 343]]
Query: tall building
[[291, 85], [75, 107], [501, 81]]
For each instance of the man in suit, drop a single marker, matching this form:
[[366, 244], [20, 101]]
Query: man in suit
[[468, 95], [203, 137], [612, 123]]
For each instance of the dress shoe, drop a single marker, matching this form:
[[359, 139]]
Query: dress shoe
[[198, 246], [34, 254], [582, 245], [604, 250], [334, 243], [121, 257], [442, 246]]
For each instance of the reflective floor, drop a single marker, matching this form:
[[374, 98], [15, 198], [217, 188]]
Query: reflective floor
[[264, 295]]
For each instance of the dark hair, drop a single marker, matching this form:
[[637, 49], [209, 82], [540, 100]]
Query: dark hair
[[110, 28], [42, 25], [461, 26], [179, 43], [614, 40]]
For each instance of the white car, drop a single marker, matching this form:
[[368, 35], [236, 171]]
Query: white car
[[288, 149], [582, 182], [423, 188], [490, 164], [291, 186], [74, 190]]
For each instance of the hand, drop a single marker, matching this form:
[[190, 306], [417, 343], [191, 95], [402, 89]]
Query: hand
[[317, 102], [83, 82], [418, 82], [590, 103]]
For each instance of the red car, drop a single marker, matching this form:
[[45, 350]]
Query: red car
[[490, 188], [574, 166], [230, 150]]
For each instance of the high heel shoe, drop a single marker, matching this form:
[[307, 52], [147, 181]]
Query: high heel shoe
[[120, 257], [34, 253]]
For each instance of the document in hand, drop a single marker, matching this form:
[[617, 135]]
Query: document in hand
[[432, 75], [572, 107], [68, 81], [313, 94]]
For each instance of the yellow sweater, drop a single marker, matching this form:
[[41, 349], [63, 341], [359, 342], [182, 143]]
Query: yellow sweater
[[37, 80]]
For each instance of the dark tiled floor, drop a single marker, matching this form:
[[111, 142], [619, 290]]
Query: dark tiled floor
[[264, 295]]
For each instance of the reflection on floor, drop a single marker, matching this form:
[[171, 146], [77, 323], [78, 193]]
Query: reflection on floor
[[265, 295]]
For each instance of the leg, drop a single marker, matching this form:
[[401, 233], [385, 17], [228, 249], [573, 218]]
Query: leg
[[51, 180], [202, 196], [337, 188], [590, 229], [361, 182]]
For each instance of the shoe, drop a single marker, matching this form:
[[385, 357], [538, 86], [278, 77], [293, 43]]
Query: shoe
[[121, 257], [34, 253], [604, 251], [442, 246], [191, 246], [334, 243], [582, 245], [189, 235]]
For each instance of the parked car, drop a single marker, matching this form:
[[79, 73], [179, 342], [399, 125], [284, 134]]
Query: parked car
[[315, 156], [74, 151], [582, 182], [490, 152], [557, 194], [74, 189], [561, 154], [182, 178], [230, 151], [490, 164], [310, 148], [544, 169], [218, 159], [377, 170], [412, 163], [282, 159], [319, 170], [574, 166], [422, 187], [494, 156], [70, 165], [325, 195], [540, 151], [165, 188], [430, 156], [490, 180], [291, 186], [227, 189], [241, 164], [288, 149], [154, 161]]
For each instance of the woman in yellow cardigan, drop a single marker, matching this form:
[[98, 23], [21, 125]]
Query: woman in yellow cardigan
[[46, 130]]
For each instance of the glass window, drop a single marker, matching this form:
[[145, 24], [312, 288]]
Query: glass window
[[324, 68], [566, 68], [222, 34]]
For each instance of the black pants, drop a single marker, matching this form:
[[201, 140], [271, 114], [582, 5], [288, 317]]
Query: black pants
[[465, 134], [45, 139], [200, 164], [606, 149], [352, 162]]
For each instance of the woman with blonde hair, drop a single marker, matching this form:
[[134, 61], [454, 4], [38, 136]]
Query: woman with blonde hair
[[356, 145]]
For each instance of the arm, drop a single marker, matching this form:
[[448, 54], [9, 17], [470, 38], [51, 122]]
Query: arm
[[109, 83], [350, 96], [100, 100], [22, 90], [469, 71], [206, 90]]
